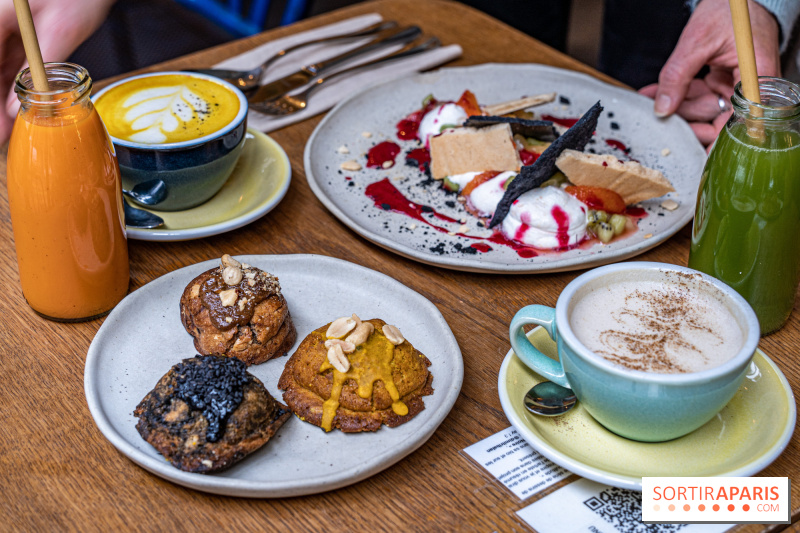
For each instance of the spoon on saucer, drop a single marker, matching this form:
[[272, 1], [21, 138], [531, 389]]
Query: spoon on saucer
[[148, 192], [549, 399], [139, 218]]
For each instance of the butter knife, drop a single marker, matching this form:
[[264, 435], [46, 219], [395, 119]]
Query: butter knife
[[278, 88]]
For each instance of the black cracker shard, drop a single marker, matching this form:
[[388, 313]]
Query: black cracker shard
[[542, 130], [532, 176]]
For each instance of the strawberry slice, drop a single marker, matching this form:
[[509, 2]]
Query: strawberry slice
[[469, 104], [478, 180], [598, 198]]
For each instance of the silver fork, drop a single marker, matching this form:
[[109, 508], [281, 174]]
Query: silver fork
[[293, 103], [247, 80]]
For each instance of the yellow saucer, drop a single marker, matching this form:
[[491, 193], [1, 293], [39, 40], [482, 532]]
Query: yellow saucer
[[745, 437], [258, 183]]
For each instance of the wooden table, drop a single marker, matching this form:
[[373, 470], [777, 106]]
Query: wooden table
[[58, 472]]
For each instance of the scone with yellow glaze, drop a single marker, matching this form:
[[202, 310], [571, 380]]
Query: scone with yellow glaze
[[356, 375]]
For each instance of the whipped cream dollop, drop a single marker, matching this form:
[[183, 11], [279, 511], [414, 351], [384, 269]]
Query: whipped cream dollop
[[442, 115], [485, 197], [462, 179], [546, 218]]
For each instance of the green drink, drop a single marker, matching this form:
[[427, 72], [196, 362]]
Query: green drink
[[748, 207]]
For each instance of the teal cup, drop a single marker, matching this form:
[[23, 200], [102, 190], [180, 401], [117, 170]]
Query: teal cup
[[640, 405]]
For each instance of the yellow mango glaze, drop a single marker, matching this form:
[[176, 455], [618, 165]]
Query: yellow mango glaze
[[370, 362], [167, 109]]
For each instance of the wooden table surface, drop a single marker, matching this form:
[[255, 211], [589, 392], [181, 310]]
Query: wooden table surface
[[58, 472]]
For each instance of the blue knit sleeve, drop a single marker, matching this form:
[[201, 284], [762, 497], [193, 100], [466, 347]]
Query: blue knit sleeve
[[785, 12]]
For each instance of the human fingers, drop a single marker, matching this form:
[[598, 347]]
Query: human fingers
[[704, 131], [704, 108], [649, 90], [721, 81], [702, 38]]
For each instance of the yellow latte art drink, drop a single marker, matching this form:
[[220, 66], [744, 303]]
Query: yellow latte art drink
[[167, 109]]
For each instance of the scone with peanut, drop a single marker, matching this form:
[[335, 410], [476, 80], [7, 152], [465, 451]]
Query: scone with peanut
[[356, 375], [237, 310]]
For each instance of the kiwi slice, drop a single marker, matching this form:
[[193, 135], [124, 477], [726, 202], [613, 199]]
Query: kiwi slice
[[450, 185]]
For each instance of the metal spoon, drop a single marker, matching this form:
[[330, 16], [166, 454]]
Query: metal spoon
[[139, 218], [247, 80], [549, 399], [148, 192]]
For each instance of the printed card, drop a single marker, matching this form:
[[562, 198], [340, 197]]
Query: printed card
[[511, 460], [588, 507]]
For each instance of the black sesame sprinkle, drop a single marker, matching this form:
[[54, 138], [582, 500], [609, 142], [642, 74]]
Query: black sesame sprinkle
[[214, 386]]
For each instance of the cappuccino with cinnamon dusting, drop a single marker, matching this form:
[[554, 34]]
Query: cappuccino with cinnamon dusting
[[663, 326]]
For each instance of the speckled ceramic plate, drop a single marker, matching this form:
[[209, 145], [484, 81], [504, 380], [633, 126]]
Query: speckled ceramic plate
[[628, 118], [143, 338], [745, 437], [258, 183]]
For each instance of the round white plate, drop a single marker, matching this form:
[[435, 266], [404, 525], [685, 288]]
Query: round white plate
[[377, 111], [258, 183], [143, 338], [743, 439]]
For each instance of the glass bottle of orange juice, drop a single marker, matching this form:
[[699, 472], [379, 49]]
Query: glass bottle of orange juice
[[65, 198]]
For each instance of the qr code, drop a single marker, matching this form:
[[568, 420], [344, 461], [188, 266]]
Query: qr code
[[623, 509]]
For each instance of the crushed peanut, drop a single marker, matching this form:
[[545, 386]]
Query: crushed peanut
[[195, 291], [366, 134], [338, 359], [393, 334], [669, 204], [387, 164], [343, 149], [361, 333], [340, 327], [229, 261], [665, 152], [352, 164], [347, 347], [232, 275], [228, 298]]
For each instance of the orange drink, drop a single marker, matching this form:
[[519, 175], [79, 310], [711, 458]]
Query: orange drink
[[65, 199]]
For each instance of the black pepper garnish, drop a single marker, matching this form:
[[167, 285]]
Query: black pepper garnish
[[214, 386]]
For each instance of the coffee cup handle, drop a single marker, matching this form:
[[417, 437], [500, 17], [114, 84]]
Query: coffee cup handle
[[539, 315]]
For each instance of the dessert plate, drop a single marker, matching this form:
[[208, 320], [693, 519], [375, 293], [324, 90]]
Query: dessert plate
[[143, 337], [743, 439], [371, 117], [258, 183]]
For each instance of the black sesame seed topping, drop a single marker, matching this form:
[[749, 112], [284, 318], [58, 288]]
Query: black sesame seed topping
[[213, 385]]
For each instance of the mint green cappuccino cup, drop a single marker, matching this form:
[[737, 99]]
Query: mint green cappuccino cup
[[652, 350]]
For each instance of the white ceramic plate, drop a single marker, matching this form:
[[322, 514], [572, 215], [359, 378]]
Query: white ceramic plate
[[258, 183], [377, 111], [743, 439], [143, 338]]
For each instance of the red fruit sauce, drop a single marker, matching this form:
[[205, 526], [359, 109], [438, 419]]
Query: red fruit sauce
[[420, 156], [381, 153], [566, 122], [527, 157]]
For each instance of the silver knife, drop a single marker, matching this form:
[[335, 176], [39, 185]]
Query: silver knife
[[278, 88]]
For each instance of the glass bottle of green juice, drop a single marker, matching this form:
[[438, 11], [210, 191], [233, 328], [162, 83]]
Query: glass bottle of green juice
[[746, 225]]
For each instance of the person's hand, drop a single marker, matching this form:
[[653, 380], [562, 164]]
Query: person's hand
[[708, 39], [60, 26]]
